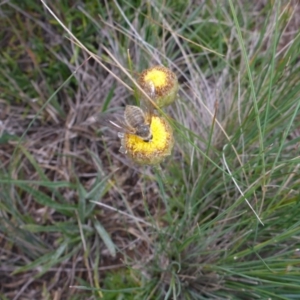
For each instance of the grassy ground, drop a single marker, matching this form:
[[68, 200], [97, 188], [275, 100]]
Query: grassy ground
[[80, 221]]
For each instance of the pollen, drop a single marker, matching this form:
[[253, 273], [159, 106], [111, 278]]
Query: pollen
[[157, 76], [152, 152], [160, 84]]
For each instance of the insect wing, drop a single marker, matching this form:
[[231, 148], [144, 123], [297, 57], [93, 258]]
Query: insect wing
[[148, 109], [134, 116], [150, 89], [112, 121], [119, 125]]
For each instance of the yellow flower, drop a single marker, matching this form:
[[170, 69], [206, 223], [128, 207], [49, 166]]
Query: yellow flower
[[154, 151], [160, 84]]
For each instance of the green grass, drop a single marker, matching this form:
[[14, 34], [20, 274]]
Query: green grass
[[80, 221]]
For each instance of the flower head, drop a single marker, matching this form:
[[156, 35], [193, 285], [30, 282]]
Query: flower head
[[154, 151], [160, 84]]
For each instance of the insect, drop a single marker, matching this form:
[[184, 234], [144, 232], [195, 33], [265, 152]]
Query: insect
[[149, 88], [136, 121]]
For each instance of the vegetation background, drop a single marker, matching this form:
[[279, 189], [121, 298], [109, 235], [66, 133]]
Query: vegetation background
[[80, 221]]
